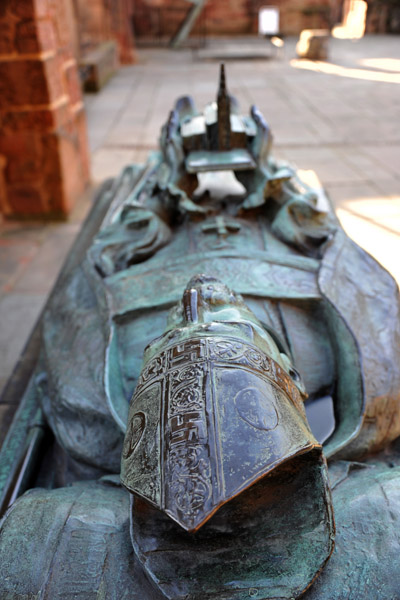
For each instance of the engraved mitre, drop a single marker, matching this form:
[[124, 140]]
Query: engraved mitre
[[217, 407]]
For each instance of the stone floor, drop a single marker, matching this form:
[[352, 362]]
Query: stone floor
[[338, 118]]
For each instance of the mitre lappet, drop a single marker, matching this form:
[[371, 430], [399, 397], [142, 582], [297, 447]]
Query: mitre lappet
[[217, 436]]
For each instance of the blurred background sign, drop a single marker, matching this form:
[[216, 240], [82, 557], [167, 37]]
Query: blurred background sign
[[268, 20]]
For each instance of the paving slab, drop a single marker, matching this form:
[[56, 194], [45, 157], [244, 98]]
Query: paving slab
[[386, 243], [41, 273], [108, 162], [14, 257], [237, 51]]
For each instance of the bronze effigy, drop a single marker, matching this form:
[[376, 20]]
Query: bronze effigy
[[218, 329]]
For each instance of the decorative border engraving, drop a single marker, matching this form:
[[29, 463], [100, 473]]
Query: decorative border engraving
[[232, 351], [188, 463], [240, 353]]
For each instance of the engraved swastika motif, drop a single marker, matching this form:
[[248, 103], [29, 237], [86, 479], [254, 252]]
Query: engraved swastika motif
[[186, 353], [187, 427]]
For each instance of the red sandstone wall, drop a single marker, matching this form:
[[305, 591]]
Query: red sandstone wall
[[43, 149], [153, 18], [161, 18], [100, 20]]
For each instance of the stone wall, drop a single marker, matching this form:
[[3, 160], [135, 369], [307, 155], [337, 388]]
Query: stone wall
[[161, 18], [44, 163], [101, 20]]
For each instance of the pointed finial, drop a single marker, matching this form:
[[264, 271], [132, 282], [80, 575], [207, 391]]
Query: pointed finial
[[222, 81], [224, 111]]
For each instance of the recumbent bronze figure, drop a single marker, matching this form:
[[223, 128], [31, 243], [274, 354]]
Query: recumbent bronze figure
[[218, 329]]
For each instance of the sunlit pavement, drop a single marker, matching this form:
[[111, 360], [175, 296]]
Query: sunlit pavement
[[339, 118]]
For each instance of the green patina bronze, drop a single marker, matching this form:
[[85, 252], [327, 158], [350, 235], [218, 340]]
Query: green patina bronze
[[215, 328]]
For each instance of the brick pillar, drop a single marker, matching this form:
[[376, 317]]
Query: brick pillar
[[43, 143]]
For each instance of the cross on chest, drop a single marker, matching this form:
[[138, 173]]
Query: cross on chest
[[221, 227]]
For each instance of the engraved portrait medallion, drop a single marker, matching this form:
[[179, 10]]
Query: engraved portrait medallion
[[136, 430], [256, 410]]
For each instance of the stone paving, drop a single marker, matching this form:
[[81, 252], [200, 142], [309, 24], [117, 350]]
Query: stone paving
[[339, 119]]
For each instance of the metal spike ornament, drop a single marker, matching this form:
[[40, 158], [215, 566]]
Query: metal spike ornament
[[224, 113]]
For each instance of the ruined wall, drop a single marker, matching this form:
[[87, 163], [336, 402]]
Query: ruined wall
[[161, 18], [101, 20]]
